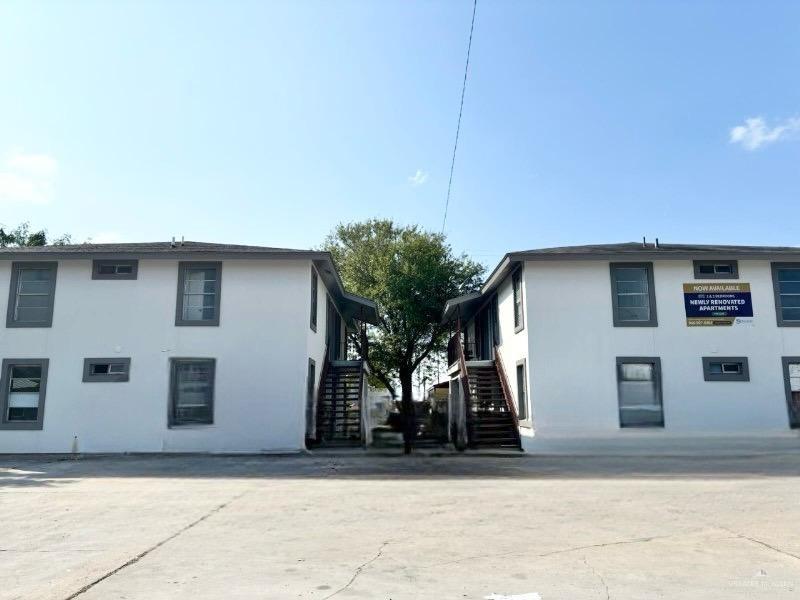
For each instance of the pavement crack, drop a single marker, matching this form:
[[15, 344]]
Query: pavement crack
[[144, 553], [606, 544], [358, 571], [599, 576], [546, 554], [760, 543]]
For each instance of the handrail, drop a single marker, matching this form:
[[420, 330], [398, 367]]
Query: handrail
[[323, 373], [364, 342], [462, 368], [366, 426], [501, 373]]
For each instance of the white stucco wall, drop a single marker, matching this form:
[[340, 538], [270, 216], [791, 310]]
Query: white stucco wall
[[573, 345], [316, 340], [513, 345], [261, 349]]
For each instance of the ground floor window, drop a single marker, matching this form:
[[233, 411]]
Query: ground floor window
[[106, 369], [311, 380], [522, 392], [791, 371], [639, 392], [192, 391], [733, 368], [23, 383]]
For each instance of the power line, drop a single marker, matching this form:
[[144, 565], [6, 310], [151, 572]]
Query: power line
[[460, 110]]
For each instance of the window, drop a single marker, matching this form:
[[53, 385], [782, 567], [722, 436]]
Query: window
[[639, 390], [311, 381], [516, 284], [106, 369], [199, 288], [716, 269], [727, 368], [791, 373], [115, 269], [23, 383], [786, 281], [31, 294], [522, 395], [633, 295], [192, 391], [314, 292]]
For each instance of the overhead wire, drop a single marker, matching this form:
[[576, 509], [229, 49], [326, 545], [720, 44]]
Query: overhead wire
[[460, 112]]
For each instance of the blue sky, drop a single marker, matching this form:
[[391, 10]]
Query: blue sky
[[267, 123]]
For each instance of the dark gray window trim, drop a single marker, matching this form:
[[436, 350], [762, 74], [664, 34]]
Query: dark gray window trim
[[89, 377], [656, 362], [786, 360], [709, 376], [12, 294], [526, 422], [776, 290], [183, 266], [38, 424], [173, 362], [314, 298], [311, 385], [651, 289], [734, 274], [521, 325], [97, 263]]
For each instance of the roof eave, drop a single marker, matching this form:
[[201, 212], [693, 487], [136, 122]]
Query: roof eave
[[13, 254]]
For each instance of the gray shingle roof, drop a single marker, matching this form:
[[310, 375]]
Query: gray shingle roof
[[151, 248], [637, 248]]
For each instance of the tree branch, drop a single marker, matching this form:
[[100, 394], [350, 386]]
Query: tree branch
[[428, 347], [379, 374]]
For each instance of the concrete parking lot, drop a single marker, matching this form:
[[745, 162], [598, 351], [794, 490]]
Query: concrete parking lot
[[393, 527]]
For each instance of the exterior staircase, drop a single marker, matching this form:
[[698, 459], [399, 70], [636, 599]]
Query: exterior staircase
[[339, 404], [490, 423]]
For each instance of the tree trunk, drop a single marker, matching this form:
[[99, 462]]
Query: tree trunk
[[407, 407]]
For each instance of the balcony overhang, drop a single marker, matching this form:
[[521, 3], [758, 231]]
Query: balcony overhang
[[351, 306]]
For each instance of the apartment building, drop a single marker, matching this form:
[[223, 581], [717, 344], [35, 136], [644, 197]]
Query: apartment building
[[170, 347], [634, 342]]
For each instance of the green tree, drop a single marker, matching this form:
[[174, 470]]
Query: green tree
[[23, 236], [410, 273]]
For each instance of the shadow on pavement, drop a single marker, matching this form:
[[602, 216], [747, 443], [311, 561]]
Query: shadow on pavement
[[55, 471]]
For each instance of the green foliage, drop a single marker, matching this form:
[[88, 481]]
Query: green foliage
[[410, 273], [23, 236]]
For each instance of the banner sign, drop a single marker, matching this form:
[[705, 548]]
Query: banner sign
[[713, 304]]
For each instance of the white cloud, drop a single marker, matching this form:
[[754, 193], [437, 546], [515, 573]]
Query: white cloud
[[418, 178], [37, 165], [27, 178], [755, 133]]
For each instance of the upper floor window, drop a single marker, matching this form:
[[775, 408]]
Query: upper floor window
[[23, 382], [31, 294], [516, 284], [786, 281], [314, 295], [633, 295], [199, 290], [115, 269], [716, 269]]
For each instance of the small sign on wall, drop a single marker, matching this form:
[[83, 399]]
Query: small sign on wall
[[717, 304]]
